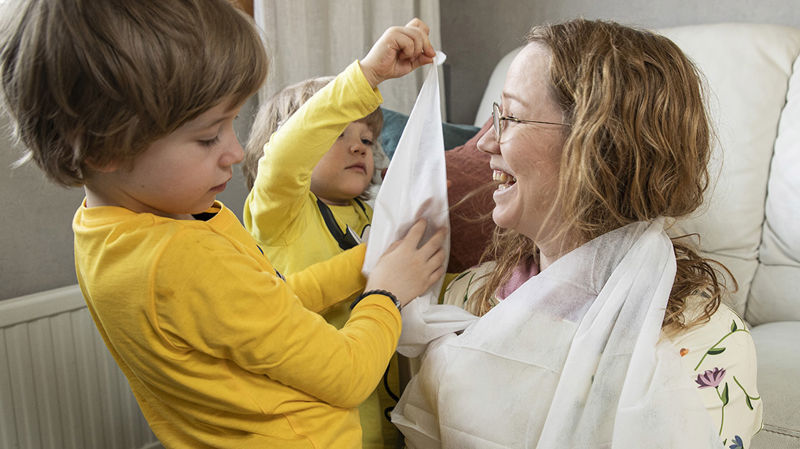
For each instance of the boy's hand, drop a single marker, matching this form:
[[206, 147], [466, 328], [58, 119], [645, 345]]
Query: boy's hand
[[407, 271], [398, 51]]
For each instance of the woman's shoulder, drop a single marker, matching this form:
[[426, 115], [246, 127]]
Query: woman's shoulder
[[720, 358], [724, 323], [723, 339], [465, 284]]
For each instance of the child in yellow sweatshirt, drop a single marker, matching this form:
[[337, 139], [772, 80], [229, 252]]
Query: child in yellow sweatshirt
[[219, 348], [308, 172], [308, 200]]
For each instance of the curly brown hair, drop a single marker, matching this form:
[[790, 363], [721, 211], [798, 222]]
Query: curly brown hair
[[637, 148]]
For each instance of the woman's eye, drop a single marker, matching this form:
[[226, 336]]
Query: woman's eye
[[367, 142], [209, 142]]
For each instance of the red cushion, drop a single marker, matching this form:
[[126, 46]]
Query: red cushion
[[470, 222]]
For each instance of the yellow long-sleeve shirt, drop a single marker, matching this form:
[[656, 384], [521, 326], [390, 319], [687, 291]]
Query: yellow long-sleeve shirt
[[221, 351], [282, 213]]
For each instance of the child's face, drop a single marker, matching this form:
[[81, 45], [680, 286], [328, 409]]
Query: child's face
[[182, 173], [346, 169]]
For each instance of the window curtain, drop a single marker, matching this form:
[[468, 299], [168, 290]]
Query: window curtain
[[310, 38]]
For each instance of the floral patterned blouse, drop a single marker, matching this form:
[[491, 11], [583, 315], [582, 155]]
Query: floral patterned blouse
[[718, 356]]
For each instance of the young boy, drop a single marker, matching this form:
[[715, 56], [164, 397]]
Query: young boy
[[307, 201], [276, 111], [135, 102]]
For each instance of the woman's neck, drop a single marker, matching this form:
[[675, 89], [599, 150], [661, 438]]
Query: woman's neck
[[553, 249]]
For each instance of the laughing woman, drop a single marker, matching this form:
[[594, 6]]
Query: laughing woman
[[596, 328]]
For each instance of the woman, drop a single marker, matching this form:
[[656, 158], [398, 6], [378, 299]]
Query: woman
[[596, 328]]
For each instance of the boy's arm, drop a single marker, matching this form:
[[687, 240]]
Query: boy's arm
[[226, 304], [283, 181], [312, 285]]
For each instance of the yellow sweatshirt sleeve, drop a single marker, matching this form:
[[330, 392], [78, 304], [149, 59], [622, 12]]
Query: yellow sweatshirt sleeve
[[209, 297], [282, 185], [312, 285]]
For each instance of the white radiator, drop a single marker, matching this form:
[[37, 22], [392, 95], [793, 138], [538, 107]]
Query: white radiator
[[59, 386]]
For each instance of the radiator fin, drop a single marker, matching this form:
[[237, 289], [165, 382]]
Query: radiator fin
[[59, 386]]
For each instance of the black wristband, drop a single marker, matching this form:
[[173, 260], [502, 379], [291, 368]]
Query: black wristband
[[377, 292]]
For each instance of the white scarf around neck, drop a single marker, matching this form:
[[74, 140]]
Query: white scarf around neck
[[572, 359]]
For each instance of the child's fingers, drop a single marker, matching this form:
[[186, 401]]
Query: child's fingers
[[437, 259], [409, 42], [403, 45], [434, 243], [432, 270], [397, 52], [423, 51], [438, 273], [416, 22], [421, 42], [427, 47], [415, 233], [393, 246], [421, 61]]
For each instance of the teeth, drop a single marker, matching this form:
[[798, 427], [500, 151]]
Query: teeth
[[503, 178]]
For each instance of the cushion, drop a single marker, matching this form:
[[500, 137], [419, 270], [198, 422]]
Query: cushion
[[773, 296], [471, 222], [745, 101], [778, 365], [394, 122]]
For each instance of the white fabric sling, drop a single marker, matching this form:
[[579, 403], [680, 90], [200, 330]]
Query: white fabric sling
[[416, 187], [571, 359]]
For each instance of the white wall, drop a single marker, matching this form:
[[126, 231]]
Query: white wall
[[36, 238], [476, 33]]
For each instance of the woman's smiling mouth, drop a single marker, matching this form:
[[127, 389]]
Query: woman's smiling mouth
[[503, 179]]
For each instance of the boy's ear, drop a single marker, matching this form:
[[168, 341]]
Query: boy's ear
[[102, 167]]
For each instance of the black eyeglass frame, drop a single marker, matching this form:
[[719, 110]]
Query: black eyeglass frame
[[497, 120]]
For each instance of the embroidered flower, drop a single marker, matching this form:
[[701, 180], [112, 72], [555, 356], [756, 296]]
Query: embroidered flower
[[710, 378], [737, 443], [684, 351]]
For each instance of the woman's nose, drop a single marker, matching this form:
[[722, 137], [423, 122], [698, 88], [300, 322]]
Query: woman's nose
[[488, 143]]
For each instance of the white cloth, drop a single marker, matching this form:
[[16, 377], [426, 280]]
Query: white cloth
[[415, 187], [571, 359]]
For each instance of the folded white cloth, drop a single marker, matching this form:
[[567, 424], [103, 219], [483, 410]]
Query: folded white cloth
[[571, 359]]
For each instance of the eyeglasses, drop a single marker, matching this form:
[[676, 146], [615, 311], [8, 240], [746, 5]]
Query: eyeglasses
[[498, 119]]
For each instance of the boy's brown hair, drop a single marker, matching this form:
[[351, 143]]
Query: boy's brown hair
[[278, 109], [88, 83]]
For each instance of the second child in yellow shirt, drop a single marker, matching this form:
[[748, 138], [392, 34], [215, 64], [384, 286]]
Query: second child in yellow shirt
[[309, 162], [312, 204]]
